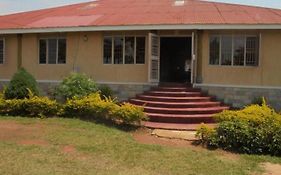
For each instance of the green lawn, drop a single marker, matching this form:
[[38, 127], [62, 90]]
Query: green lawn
[[71, 146]]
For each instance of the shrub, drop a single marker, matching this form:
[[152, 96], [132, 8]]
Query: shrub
[[253, 130], [129, 113], [105, 91], [92, 106], [258, 100], [33, 106], [89, 106], [207, 136], [19, 85], [76, 85]]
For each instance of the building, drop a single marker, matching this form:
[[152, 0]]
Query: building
[[231, 51]]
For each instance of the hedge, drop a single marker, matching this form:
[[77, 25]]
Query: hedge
[[256, 129]]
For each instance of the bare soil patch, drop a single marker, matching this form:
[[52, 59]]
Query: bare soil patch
[[36, 142], [22, 134], [69, 149], [271, 169]]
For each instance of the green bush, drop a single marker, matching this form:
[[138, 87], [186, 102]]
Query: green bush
[[19, 85], [258, 100], [128, 113], [33, 106], [207, 136], [92, 106], [254, 130], [105, 92], [76, 85], [88, 106]]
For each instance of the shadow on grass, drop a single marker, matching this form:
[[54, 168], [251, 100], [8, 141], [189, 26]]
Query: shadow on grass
[[203, 145], [111, 123], [236, 151]]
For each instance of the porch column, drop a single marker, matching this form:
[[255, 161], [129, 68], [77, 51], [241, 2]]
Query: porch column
[[194, 57]]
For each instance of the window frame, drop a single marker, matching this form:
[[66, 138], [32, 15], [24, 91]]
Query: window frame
[[47, 50], [245, 36], [4, 50], [232, 49], [124, 42]]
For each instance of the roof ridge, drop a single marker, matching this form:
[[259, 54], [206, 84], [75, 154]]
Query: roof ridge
[[219, 12], [273, 11], [245, 5]]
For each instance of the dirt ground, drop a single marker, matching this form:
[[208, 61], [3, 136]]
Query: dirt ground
[[272, 169], [22, 134]]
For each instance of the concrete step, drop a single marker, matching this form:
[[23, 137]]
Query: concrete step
[[174, 126]]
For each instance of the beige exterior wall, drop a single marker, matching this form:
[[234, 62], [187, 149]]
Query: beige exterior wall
[[87, 56], [9, 67], [84, 56], [268, 73]]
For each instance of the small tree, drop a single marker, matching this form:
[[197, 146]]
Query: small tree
[[21, 83], [76, 85]]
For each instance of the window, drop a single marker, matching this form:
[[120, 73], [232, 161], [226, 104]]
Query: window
[[124, 50], [214, 50], [52, 51], [2, 52], [61, 51], [140, 52], [238, 51], [252, 51], [226, 50], [118, 50], [129, 50], [107, 50], [234, 50]]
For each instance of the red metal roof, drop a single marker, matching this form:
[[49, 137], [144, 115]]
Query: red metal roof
[[141, 12]]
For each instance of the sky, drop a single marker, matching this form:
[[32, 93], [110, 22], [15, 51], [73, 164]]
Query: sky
[[13, 6]]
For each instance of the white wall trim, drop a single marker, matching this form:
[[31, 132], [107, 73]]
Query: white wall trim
[[238, 86], [143, 27]]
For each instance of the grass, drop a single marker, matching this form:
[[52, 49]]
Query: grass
[[102, 150]]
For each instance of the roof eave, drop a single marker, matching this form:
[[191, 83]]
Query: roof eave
[[144, 27]]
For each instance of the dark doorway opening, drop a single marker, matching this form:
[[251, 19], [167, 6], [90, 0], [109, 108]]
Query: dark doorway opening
[[175, 59]]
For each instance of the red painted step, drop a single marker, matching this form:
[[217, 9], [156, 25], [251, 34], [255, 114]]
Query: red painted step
[[206, 110], [173, 94], [173, 99], [177, 106], [176, 89], [174, 104], [181, 118], [169, 84], [174, 126]]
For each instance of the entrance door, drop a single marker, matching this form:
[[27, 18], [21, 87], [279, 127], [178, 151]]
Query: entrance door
[[175, 56], [154, 61]]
